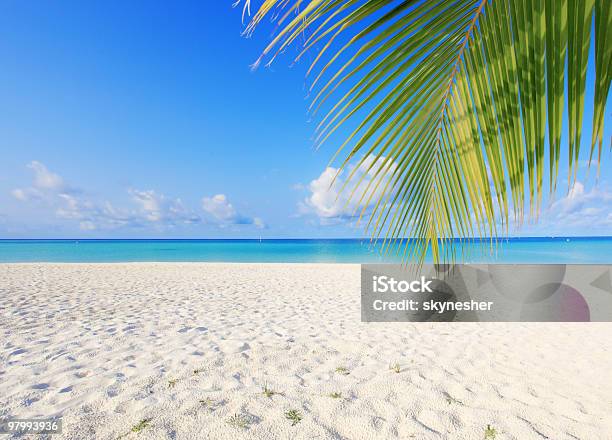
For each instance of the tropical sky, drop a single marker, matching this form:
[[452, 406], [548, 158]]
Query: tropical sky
[[145, 119]]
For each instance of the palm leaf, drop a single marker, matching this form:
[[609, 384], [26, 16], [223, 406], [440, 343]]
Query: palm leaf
[[454, 101]]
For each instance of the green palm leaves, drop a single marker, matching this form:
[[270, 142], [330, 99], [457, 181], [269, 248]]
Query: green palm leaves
[[458, 102]]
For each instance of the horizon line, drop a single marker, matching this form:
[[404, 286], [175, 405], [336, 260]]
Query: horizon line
[[488, 238]]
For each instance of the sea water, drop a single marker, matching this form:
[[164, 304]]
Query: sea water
[[513, 250]]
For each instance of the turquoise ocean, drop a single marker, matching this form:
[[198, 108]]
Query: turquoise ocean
[[581, 250]]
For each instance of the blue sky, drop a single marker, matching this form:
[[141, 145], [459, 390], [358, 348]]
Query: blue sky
[[143, 119]]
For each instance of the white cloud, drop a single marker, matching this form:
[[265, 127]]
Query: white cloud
[[158, 208], [151, 208], [219, 207], [259, 223], [45, 184], [224, 213], [581, 208], [45, 179], [70, 207], [149, 202], [330, 201], [20, 194], [92, 215], [87, 226]]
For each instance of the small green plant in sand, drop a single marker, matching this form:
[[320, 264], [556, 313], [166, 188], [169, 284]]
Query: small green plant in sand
[[343, 370], [172, 383], [238, 421], [140, 425], [335, 395], [395, 367], [294, 415], [490, 433], [208, 403], [268, 392], [450, 400]]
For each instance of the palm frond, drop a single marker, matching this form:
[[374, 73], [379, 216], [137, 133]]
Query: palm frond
[[454, 100]]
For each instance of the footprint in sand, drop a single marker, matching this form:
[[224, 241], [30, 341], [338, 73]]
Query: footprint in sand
[[18, 352]]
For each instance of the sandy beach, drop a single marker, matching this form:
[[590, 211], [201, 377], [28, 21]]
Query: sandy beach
[[186, 351]]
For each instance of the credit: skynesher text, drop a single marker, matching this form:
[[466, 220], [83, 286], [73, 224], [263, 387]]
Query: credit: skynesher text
[[431, 305]]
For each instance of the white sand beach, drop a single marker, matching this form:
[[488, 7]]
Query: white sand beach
[[190, 347]]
